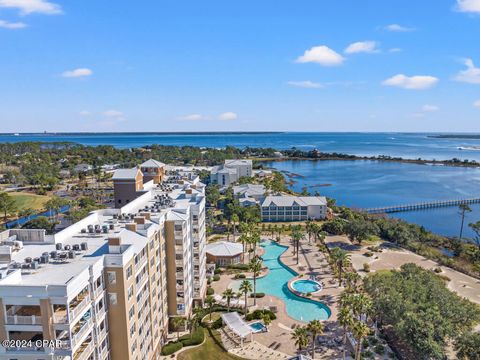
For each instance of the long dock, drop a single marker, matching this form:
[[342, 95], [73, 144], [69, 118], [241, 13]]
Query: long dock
[[421, 206]]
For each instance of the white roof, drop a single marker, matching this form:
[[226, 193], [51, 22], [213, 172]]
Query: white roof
[[153, 164], [236, 162], [236, 324], [124, 174], [289, 200], [224, 248], [248, 190]]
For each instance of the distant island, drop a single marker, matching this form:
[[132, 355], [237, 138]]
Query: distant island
[[456, 136]]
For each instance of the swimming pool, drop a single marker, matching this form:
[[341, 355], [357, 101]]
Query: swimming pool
[[306, 286], [276, 283], [257, 327]]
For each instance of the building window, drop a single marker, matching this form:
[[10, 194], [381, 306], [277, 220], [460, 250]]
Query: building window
[[129, 272], [130, 292], [112, 298], [112, 277]]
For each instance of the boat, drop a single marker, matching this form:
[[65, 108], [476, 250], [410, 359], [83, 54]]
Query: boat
[[475, 148]]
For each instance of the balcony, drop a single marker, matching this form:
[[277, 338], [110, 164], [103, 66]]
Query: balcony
[[139, 265], [23, 315], [98, 291], [77, 337], [85, 350], [179, 263], [79, 307]]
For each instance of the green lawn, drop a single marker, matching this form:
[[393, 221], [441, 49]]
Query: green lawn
[[29, 201], [212, 349]]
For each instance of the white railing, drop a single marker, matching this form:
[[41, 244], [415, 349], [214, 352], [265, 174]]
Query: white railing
[[99, 290], [85, 353], [140, 264], [24, 320], [59, 319], [80, 333], [80, 307]]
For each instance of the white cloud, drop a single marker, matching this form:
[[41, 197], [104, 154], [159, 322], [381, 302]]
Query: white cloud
[[32, 6], [12, 25], [471, 75], [77, 73], [113, 114], [85, 113], [472, 6], [418, 82], [398, 28], [322, 55], [395, 50], [362, 47], [193, 117], [476, 103], [307, 84], [430, 108], [228, 116]]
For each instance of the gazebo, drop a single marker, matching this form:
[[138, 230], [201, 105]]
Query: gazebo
[[237, 325]]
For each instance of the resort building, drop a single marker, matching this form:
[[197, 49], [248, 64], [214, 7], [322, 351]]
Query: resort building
[[293, 208], [231, 171], [224, 253], [106, 287], [249, 194]]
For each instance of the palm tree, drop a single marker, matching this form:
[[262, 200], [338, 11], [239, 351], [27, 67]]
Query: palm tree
[[345, 319], [235, 219], [177, 322], [300, 336], [360, 331], [315, 328], [244, 237], [297, 235], [464, 208], [267, 320], [210, 301], [228, 294], [341, 259], [352, 278], [309, 228], [245, 288], [255, 267], [7, 205]]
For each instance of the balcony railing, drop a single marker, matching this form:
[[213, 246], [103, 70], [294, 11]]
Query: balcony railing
[[60, 318], [24, 320], [80, 307], [85, 353], [99, 290], [80, 333]]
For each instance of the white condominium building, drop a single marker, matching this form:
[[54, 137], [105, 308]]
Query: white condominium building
[[105, 287], [293, 208], [231, 171]]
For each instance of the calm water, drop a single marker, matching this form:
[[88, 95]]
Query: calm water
[[364, 184], [276, 284], [411, 145]]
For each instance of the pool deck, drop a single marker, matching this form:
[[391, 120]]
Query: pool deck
[[278, 337]]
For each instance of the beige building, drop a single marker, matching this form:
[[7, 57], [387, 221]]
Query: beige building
[[105, 287]]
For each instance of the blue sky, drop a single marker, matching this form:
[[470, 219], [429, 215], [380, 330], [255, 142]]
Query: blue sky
[[309, 65]]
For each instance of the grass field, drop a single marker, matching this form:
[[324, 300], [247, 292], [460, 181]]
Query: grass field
[[29, 201], [212, 349]]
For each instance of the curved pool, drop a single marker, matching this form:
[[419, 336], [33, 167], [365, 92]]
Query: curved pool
[[276, 283], [306, 286]]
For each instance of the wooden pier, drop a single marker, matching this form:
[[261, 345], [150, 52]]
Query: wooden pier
[[421, 206]]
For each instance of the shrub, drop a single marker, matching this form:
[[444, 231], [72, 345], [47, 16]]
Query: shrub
[[367, 354], [258, 314], [239, 276], [366, 267], [257, 295], [217, 271], [210, 291], [244, 267], [196, 338], [368, 254], [379, 349], [217, 324], [171, 347], [209, 280], [216, 277], [437, 270]]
